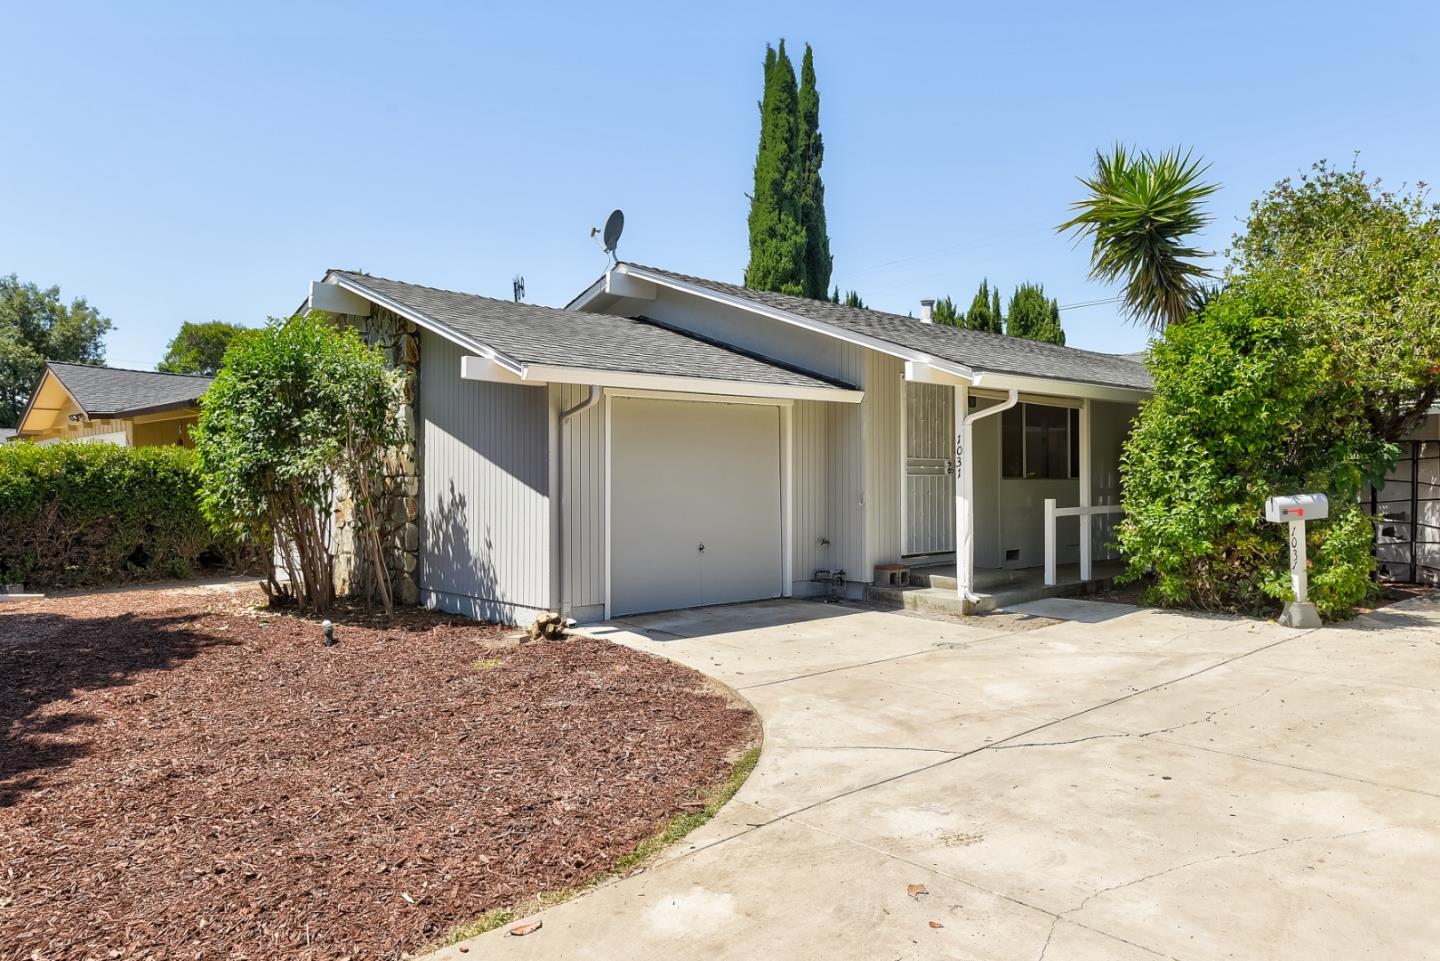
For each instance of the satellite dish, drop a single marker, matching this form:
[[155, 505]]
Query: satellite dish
[[614, 225]]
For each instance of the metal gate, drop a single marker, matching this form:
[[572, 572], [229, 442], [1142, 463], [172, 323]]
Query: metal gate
[[929, 469], [1407, 539]]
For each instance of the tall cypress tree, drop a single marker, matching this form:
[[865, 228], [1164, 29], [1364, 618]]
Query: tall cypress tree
[[947, 313], [984, 313], [1034, 316], [818, 262], [777, 235]]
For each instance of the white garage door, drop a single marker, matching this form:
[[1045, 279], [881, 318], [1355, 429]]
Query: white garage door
[[694, 504]]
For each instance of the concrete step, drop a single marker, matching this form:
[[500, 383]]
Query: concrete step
[[922, 600], [944, 600], [985, 580]]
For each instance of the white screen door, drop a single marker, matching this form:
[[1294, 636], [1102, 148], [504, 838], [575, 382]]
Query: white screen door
[[929, 469]]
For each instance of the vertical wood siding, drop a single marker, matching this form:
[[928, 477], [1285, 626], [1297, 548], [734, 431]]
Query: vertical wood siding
[[809, 426], [485, 543], [583, 440], [883, 410]]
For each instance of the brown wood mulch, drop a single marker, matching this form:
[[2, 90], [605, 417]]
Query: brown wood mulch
[[184, 774]]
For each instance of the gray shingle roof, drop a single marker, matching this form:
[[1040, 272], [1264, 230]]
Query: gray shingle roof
[[975, 349], [6, 433], [532, 334], [108, 391]]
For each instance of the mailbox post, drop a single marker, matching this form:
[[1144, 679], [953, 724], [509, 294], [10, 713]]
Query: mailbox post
[[1295, 511]]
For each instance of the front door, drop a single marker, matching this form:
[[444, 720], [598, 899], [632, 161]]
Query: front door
[[929, 469]]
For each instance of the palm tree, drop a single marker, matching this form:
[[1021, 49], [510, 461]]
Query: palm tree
[[1140, 211]]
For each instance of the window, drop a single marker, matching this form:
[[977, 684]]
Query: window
[[1038, 441]]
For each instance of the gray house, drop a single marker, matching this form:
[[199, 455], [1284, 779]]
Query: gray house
[[668, 441]]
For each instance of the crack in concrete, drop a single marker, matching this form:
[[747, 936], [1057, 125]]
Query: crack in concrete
[[1209, 716], [833, 670], [1233, 855], [1301, 767]]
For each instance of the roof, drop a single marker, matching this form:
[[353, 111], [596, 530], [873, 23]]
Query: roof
[[6, 433], [977, 350], [530, 334], [114, 391]]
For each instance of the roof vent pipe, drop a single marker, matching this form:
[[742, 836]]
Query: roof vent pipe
[[927, 311]]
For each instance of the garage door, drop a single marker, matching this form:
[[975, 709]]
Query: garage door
[[694, 504]]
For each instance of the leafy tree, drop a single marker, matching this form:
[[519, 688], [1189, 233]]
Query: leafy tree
[[984, 313], [946, 313], [1247, 403], [1364, 265], [199, 348], [1139, 213], [852, 299], [300, 411], [36, 326], [1034, 316], [818, 262], [777, 233]]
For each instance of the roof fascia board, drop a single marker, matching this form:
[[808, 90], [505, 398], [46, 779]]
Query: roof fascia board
[[688, 385], [334, 299], [429, 323], [589, 294], [1060, 388], [156, 408], [795, 320], [627, 286], [538, 375], [923, 373]]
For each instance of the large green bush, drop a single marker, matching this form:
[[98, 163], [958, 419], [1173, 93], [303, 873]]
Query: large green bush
[[74, 515], [1248, 402], [300, 415]]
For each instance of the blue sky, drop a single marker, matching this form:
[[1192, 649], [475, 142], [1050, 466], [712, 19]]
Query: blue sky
[[188, 161]]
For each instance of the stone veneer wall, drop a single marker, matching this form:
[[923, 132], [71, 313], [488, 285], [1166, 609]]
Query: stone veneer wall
[[400, 501]]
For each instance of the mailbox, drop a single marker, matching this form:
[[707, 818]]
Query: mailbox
[[1297, 507], [1295, 510]]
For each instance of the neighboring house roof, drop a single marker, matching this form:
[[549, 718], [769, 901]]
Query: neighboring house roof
[[530, 334], [974, 349], [116, 392], [6, 433]]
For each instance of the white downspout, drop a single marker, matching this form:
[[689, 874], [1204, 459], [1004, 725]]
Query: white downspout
[[965, 487], [590, 401]]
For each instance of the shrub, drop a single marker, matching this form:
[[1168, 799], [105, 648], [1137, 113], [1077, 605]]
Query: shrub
[[78, 515], [1247, 404], [301, 413]]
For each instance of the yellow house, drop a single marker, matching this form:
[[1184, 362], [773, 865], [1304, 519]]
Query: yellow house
[[108, 405]]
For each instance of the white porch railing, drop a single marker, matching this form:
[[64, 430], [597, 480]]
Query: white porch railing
[[1051, 513]]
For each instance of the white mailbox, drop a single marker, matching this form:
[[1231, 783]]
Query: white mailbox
[[1298, 507], [1295, 510]]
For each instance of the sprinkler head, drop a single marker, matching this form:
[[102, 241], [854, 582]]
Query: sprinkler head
[[329, 631]]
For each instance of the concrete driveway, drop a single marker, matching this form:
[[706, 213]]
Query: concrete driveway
[[1136, 786]]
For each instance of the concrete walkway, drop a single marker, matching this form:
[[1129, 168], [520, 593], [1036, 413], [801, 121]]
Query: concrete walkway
[[1131, 787]]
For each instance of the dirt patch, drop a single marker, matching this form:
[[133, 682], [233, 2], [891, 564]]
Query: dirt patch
[[185, 775]]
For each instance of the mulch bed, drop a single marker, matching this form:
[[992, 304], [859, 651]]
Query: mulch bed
[[185, 774]]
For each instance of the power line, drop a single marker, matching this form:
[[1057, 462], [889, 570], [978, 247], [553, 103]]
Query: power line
[[1090, 303]]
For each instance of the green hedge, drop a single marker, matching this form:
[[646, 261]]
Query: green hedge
[[75, 515]]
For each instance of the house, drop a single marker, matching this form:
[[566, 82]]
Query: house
[[669, 441], [109, 405]]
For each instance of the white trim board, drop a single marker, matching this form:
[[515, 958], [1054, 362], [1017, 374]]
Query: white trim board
[[538, 375]]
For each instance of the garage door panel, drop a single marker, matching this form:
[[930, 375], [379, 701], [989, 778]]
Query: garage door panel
[[685, 474]]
